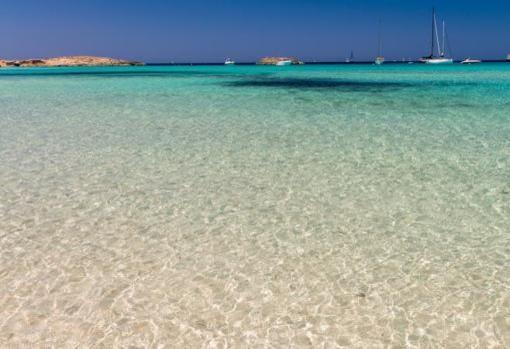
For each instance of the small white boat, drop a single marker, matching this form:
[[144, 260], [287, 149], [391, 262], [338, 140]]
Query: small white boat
[[379, 60], [284, 62], [470, 61], [508, 58], [351, 58], [229, 62]]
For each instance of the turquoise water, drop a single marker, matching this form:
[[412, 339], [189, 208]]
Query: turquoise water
[[249, 207]]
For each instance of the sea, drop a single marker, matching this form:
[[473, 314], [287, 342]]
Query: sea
[[314, 206]]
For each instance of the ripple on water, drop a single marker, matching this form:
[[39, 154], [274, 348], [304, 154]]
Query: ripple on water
[[320, 206]]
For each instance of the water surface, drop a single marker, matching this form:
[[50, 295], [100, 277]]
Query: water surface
[[254, 207]]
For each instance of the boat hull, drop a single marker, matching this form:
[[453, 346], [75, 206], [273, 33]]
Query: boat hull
[[283, 63], [471, 61], [438, 61]]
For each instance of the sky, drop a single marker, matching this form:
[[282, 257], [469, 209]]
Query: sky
[[162, 31]]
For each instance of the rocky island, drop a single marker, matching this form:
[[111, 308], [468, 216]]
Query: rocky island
[[275, 60], [69, 61]]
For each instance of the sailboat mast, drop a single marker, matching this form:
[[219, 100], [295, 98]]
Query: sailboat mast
[[437, 36], [444, 36], [379, 50], [433, 33]]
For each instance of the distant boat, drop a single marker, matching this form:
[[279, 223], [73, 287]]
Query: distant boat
[[350, 59], [379, 59], [508, 57], [441, 49], [437, 61], [284, 62], [470, 61], [280, 61], [229, 62]]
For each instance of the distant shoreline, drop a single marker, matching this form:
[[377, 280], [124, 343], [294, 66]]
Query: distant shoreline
[[309, 63], [90, 61]]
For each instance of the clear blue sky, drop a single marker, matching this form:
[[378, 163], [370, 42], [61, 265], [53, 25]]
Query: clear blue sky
[[210, 30]]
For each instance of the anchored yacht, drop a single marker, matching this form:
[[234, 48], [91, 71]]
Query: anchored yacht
[[351, 58], [470, 61], [379, 59], [441, 47]]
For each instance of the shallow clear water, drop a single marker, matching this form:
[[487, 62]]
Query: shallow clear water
[[250, 207]]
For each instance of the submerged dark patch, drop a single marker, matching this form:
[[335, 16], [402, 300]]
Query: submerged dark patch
[[318, 84]]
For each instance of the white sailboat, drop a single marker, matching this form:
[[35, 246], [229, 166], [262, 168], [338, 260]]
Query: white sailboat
[[441, 49], [379, 59], [350, 59], [228, 61]]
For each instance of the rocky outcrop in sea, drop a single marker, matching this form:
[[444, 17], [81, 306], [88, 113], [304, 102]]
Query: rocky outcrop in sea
[[69, 61]]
